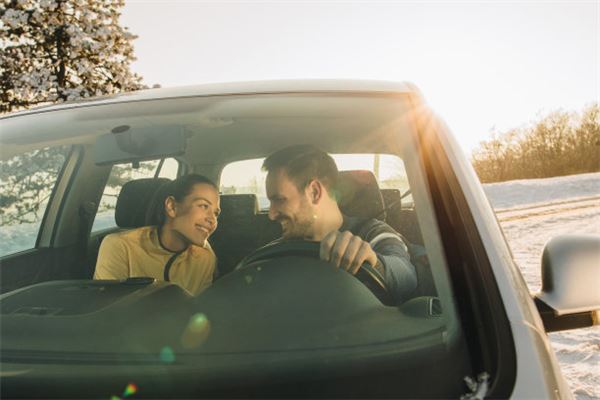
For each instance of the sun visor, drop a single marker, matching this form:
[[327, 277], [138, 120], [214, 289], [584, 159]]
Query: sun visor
[[127, 144]]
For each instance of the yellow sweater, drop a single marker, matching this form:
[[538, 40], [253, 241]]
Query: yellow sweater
[[137, 253]]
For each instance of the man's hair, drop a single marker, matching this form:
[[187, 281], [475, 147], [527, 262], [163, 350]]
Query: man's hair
[[178, 189], [303, 163]]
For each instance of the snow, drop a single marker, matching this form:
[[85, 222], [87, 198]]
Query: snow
[[530, 213], [538, 191]]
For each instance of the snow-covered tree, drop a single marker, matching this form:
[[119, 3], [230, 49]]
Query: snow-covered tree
[[57, 50], [53, 51]]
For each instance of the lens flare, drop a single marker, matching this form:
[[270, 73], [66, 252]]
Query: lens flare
[[130, 389], [167, 355], [196, 331]]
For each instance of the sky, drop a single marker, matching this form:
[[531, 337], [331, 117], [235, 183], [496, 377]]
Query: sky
[[483, 66]]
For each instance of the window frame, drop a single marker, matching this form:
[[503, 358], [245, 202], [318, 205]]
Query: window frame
[[485, 324], [55, 210]]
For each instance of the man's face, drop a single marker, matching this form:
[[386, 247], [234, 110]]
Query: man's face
[[289, 206], [196, 215]]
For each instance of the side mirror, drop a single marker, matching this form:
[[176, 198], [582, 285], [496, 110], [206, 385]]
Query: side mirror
[[570, 296]]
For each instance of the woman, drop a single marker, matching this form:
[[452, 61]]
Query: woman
[[175, 248]]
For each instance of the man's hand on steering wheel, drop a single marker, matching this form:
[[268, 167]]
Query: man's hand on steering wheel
[[369, 276], [346, 251]]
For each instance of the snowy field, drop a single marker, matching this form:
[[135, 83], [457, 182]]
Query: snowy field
[[533, 211]]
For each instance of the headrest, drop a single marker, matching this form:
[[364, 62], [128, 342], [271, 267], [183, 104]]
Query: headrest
[[238, 205], [134, 201], [359, 195]]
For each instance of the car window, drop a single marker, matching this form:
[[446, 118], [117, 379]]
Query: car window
[[119, 175], [287, 316], [246, 177], [27, 182]]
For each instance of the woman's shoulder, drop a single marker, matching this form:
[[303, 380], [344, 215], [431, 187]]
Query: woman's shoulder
[[201, 251], [131, 235]]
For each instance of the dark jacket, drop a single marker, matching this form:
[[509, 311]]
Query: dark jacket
[[392, 254]]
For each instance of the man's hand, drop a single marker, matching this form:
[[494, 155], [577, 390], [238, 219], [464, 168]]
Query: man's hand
[[347, 251]]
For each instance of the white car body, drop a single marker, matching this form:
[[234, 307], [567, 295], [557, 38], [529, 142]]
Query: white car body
[[537, 373]]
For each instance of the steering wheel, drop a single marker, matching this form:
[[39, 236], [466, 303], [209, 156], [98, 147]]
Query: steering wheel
[[368, 275]]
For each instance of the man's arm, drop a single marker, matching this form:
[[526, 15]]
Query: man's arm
[[112, 260], [394, 262], [380, 246]]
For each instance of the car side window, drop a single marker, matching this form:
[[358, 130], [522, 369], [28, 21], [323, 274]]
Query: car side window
[[27, 182], [119, 175]]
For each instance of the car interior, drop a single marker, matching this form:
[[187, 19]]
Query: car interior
[[243, 227], [288, 317]]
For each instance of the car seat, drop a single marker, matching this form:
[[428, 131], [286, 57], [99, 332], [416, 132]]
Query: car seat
[[131, 211], [358, 195], [236, 234], [136, 202]]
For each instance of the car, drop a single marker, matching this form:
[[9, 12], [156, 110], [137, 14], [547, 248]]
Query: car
[[277, 322]]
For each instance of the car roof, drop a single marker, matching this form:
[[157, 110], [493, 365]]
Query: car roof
[[234, 88], [229, 121]]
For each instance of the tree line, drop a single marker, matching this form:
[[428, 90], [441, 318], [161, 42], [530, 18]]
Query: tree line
[[559, 143]]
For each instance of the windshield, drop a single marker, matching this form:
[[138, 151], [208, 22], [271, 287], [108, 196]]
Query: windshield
[[286, 312]]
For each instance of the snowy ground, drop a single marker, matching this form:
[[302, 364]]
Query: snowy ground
[[533, 211]]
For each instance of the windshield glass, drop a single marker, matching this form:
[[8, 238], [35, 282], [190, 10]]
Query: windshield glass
[[283, 309]]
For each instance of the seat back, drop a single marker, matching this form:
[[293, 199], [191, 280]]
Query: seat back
[[131, 211], [238, 206], [359, 195], [135, 201], [236, 234]]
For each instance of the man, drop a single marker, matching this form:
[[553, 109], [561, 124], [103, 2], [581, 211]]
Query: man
[[301, 182]]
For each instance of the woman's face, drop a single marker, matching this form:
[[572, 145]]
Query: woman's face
[[194, 218]]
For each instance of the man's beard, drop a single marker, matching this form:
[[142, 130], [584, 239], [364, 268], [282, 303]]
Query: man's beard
[[299, 228]]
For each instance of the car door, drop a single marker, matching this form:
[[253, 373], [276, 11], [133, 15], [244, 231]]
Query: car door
[[52, 198]]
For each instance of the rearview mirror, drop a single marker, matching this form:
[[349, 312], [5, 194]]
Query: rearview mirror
[[127, 144], [570, 296]]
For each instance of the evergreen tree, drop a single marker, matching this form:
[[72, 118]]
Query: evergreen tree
[[53, 51], [58, 50]]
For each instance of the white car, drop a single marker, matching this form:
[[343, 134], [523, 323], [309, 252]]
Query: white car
[[283, 323]]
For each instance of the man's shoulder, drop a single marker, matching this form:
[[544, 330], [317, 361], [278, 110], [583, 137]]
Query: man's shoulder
[[366, 227], [376, 232]]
